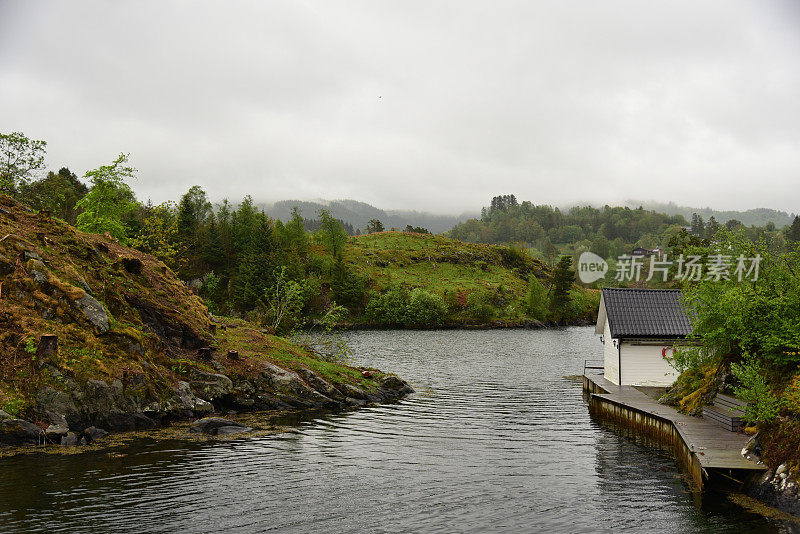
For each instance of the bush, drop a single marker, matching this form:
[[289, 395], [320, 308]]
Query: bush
[[348, 287], [479, 307], [426, 309], [538, 304], [389, 309], [762, 405]]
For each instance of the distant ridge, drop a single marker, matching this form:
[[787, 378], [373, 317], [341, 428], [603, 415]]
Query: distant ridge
[[359, 214], [757, 216]]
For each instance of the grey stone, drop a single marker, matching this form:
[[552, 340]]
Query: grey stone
[[38, 272], [211, 425], [69, 440], [93, 434], [52, 401], [18, 431], [4, 415], [31, 255], [94, 312], [210, 386], [56, 433]]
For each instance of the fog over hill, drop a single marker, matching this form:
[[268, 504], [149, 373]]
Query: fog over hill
[[751, 217], [358, 214]]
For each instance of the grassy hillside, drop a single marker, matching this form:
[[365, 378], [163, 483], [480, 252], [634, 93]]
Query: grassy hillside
[[128, 337], [479, 284]]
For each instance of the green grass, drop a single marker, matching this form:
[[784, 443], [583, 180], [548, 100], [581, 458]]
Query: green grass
[[447, 267]]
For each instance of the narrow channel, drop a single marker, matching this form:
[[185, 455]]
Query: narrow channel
[[494, 440]]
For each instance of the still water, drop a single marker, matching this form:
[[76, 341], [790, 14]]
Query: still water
[[494, 440]]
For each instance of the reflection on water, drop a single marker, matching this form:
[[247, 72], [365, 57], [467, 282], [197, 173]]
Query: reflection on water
[[494, 440]]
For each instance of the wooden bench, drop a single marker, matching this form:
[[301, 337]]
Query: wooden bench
[[726, 411]]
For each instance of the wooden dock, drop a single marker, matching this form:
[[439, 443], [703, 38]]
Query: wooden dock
[[707, 451]]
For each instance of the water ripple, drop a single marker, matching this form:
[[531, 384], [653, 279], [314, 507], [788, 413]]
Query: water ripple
[[494, 440]]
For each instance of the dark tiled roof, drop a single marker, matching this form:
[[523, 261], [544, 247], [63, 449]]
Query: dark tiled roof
[[646, 313]]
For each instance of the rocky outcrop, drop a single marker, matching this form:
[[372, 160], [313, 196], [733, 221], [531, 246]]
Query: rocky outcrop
[[778, 488], [19, 432], [83, 413]]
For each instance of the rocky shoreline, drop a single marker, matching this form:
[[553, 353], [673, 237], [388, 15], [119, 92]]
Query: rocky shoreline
[[777, 487], [80, 414]]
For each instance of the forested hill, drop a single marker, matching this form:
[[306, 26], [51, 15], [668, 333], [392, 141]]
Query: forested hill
[[751, 217], [608, 231], [358, 214]]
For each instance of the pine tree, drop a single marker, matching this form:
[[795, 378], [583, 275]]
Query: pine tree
[[563, 278], [793, 233]]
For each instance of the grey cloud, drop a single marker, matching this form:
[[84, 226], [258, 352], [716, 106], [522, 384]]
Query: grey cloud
[[425, 105]]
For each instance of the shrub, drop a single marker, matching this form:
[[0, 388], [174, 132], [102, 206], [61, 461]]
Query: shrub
[[479, 307], [762, 405], [347, 287], [538, 304], [426, 309], [389, 309]]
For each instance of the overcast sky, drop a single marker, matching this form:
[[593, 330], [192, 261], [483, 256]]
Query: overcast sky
[[419, 105]]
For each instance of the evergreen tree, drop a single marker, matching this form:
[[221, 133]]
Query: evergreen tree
[[213, 251], [793, 232], [374, 226], [563, 278], [698, 226]]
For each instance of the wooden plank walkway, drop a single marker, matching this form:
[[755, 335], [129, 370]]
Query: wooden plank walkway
[[712, 446]]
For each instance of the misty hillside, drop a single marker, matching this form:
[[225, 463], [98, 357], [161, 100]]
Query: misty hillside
[[358, 214], [756, 216]]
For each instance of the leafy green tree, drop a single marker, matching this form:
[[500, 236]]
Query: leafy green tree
[[20, 158], [285, 299], [374, 226], [108, 200], [331, 234], [57, 192], [537, 302], [158, 236]]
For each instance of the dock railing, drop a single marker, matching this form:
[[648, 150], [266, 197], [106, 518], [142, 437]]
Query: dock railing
[[594, 365]]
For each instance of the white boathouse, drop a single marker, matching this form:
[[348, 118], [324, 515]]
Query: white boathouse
[[638, 328]]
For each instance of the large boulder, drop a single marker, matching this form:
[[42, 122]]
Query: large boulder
[[18, 432], [291, 387], [184, 403], [210, 386], [93, 434]]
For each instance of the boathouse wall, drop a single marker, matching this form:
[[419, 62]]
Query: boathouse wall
[[644, 364]]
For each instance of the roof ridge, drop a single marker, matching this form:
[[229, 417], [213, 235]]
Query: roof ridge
[[604, 288]]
